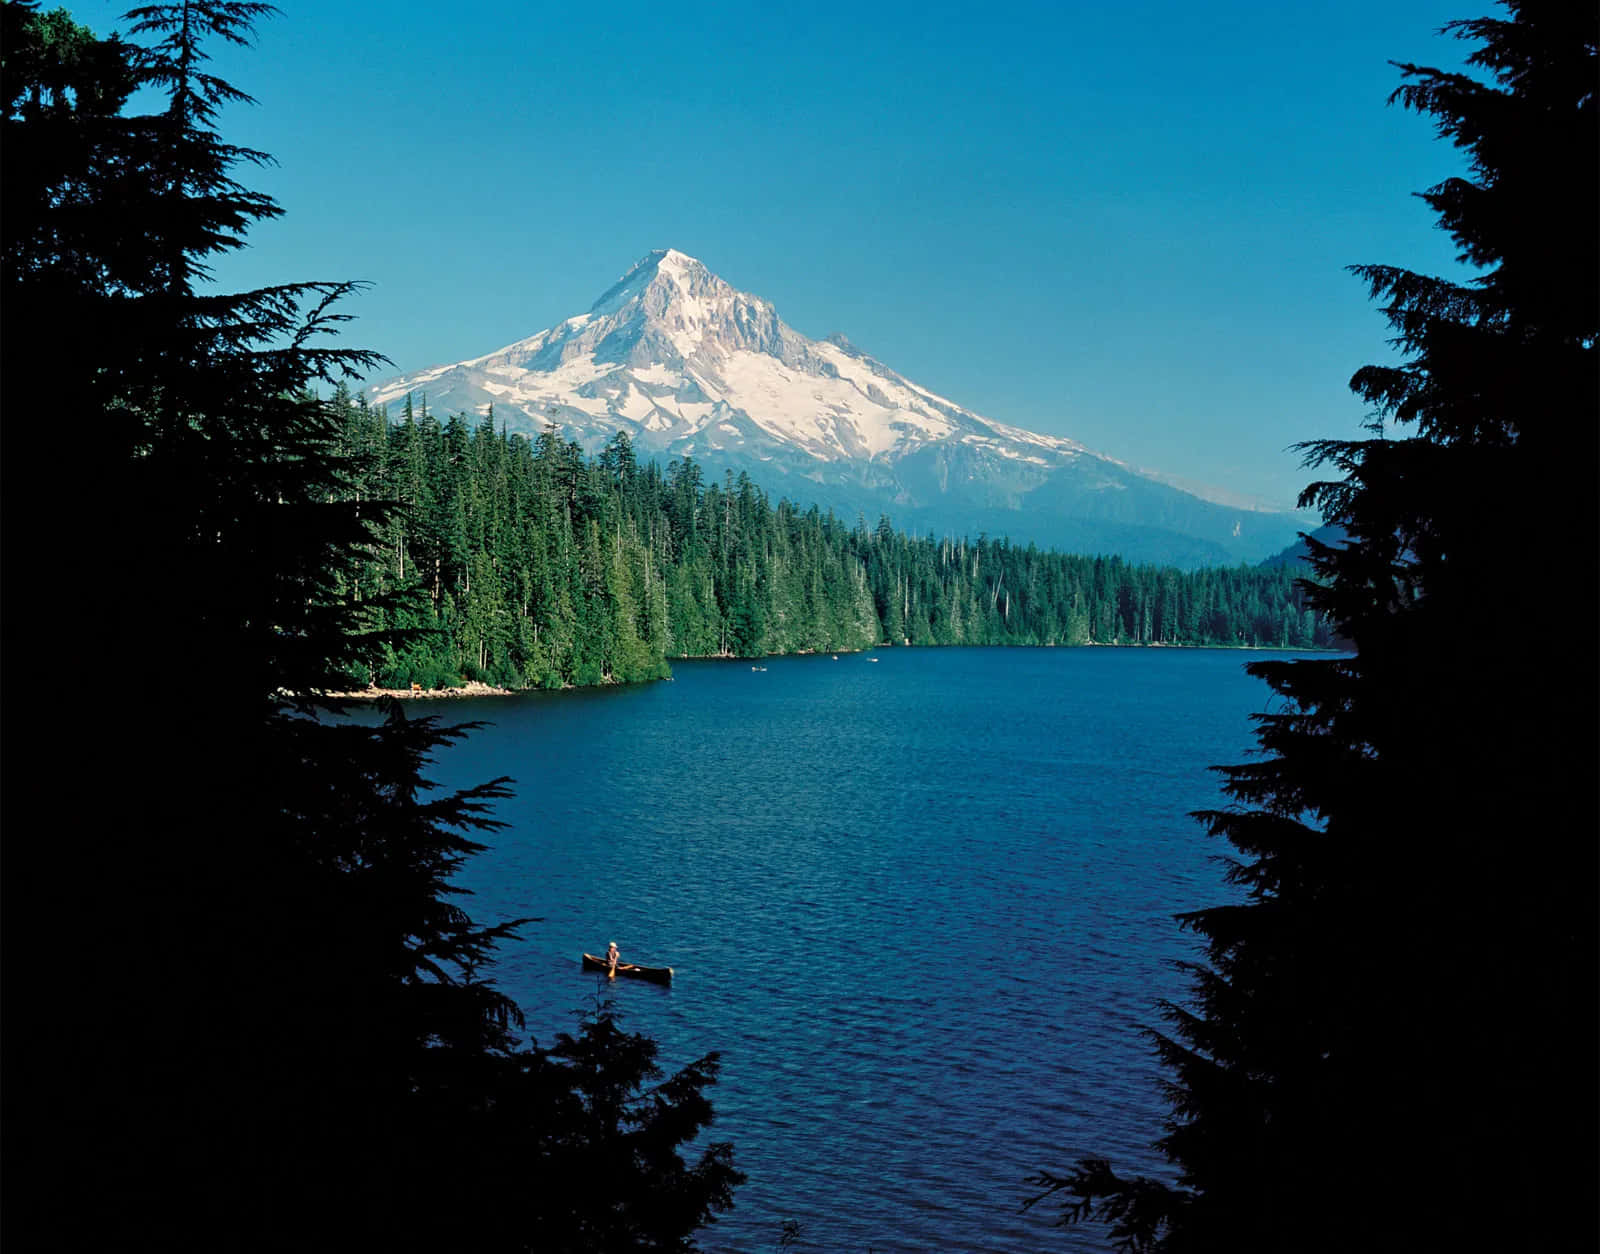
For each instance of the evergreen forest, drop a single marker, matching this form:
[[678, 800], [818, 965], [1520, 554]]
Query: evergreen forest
[[521, 563]]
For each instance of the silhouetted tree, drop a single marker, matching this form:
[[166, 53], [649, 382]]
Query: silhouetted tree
[[1393, 1042], [608, 1136], [241, 1008]]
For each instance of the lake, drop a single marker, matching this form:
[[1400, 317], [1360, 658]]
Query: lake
[[922, 905]]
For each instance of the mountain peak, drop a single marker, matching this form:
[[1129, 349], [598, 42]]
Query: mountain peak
[[658, 267], [664, 261], [672, 259], [670, 308]]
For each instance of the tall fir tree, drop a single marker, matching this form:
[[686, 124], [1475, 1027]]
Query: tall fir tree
[[242, 1009], [1393, 1043]]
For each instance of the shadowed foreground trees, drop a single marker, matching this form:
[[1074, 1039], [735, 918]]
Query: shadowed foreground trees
[[1393, 1043], [242, 1008]]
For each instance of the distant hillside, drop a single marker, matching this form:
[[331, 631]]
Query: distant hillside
[[1296, 553]]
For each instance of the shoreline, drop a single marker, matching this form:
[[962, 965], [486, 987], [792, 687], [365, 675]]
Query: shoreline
[[472, 688], [475, 688]]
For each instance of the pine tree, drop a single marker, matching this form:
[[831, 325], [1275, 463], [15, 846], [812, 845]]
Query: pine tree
[[242, 1009], [1403, 1005], [598, 1107]]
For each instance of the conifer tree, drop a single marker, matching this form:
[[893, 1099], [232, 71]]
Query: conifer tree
[[242, 1010], [1392, 1043]]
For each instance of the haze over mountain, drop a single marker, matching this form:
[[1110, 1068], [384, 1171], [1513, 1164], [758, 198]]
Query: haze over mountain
[[688, 365]]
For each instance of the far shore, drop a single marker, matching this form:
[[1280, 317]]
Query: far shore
[[474, 688]]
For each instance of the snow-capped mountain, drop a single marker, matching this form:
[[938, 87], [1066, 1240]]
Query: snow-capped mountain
[[688, 365]]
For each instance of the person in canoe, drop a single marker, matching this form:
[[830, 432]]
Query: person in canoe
[[613, 965]]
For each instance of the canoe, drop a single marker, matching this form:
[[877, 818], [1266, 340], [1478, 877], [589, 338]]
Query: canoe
[[656, 975]]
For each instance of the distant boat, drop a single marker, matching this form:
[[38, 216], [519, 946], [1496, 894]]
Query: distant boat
[[656, 975], [758, 668], [872, 659], [835, 657]]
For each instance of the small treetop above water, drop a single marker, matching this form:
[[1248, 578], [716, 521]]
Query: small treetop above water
[[615, 1177]]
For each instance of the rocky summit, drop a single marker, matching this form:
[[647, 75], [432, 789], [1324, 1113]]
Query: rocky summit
[[688, 365]]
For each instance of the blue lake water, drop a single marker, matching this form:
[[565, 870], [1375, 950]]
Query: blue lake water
[[922, 906]]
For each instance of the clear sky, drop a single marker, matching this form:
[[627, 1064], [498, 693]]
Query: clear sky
[[1124, 223]]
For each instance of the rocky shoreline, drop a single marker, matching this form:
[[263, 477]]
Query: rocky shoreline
[[472, 688]]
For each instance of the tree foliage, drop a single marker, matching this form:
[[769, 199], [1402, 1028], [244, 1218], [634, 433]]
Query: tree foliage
[[1399, 1016], [609, 1140], [243, 1007]]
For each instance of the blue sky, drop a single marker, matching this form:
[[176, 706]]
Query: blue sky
[[1125, 224]]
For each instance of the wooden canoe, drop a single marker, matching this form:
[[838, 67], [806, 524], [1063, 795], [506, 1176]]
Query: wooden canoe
[[656, 975]]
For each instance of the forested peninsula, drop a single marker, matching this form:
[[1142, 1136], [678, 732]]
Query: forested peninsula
[[522, 563]]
